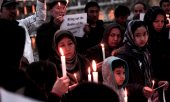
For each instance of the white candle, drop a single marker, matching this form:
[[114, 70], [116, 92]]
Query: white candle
[[103, 51], [167, 16], [126, 97], [63, 62], [59, 4], [153, 82], [75, 77], [89, 75], [95, 73]]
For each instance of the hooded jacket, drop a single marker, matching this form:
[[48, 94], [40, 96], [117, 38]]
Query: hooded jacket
[[108, 76]]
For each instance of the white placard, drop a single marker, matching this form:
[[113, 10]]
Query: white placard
[[75, 23], [141, 16]]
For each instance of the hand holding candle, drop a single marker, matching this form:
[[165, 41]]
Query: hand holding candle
[[103, 51], [95, 73], [89, 75], [63, 62]]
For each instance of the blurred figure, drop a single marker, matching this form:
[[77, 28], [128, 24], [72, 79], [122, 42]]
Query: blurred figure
[[138, 7], [30, 24], [165, 5], [93, 30], [45, 33], [91, 92], [121, 14], [115, 75]]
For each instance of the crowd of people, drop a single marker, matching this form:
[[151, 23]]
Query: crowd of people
[[136, 61]]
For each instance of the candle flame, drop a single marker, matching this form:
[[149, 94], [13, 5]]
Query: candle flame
[[153, 82], [59, 4], [126, 92], [102, 45], [75, 76], [61, 52], [94, 65], [89, 70], [67, 1]]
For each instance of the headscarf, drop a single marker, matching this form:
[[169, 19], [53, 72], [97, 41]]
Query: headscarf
[[108, 75], [59, 35], [106, 37], [143, 51]]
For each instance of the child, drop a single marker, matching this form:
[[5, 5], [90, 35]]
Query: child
[[115, 75]]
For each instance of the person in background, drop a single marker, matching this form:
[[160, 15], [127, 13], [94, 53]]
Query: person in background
[[115, 75], [158, 42], [165, 5], [93, 30], [112, 39], [138, 7], [30, 24], [45, 32], [121, 14]]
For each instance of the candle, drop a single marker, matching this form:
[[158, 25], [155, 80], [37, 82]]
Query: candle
[[167, 16], [103, 51], [153, 82], [89, 75], [63, 62], [59, 4], [95, 73], [126, 97], [75, 77]]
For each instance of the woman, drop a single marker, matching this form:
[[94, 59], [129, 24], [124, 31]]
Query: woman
[[75, 63]]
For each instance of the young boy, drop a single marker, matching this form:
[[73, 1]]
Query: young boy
[[115, 75]]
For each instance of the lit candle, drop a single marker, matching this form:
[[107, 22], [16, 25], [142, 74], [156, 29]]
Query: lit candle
[[59, 4], [63, 62], [153, 82], [95, 73], [75, 77], [126, 97], [89, 75], [103, 51], [167, 16]]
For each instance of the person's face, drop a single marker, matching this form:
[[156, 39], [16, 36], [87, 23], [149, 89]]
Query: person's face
[[119, 75], [138, 8], [159, 23], [9, 13], [141, 36], [93, 13], [166, 7], [121, 20], [68, 47], [59, 10], [114, 37]]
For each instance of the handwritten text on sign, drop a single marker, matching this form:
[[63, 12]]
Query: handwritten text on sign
[[75, 23]]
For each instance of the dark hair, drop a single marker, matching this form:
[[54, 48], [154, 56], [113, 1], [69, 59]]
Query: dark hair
[[137, 24], [117, 63], [52, 3], [162, 1], [151, 15], [91, 4], [122, 10], [91, 92], [43, 73], [142, 3]]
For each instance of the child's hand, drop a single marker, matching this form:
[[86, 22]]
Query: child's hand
[[147, 91], [61, 86], [164, 82]]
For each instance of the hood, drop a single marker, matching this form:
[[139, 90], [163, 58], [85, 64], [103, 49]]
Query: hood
[[107, 72]]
